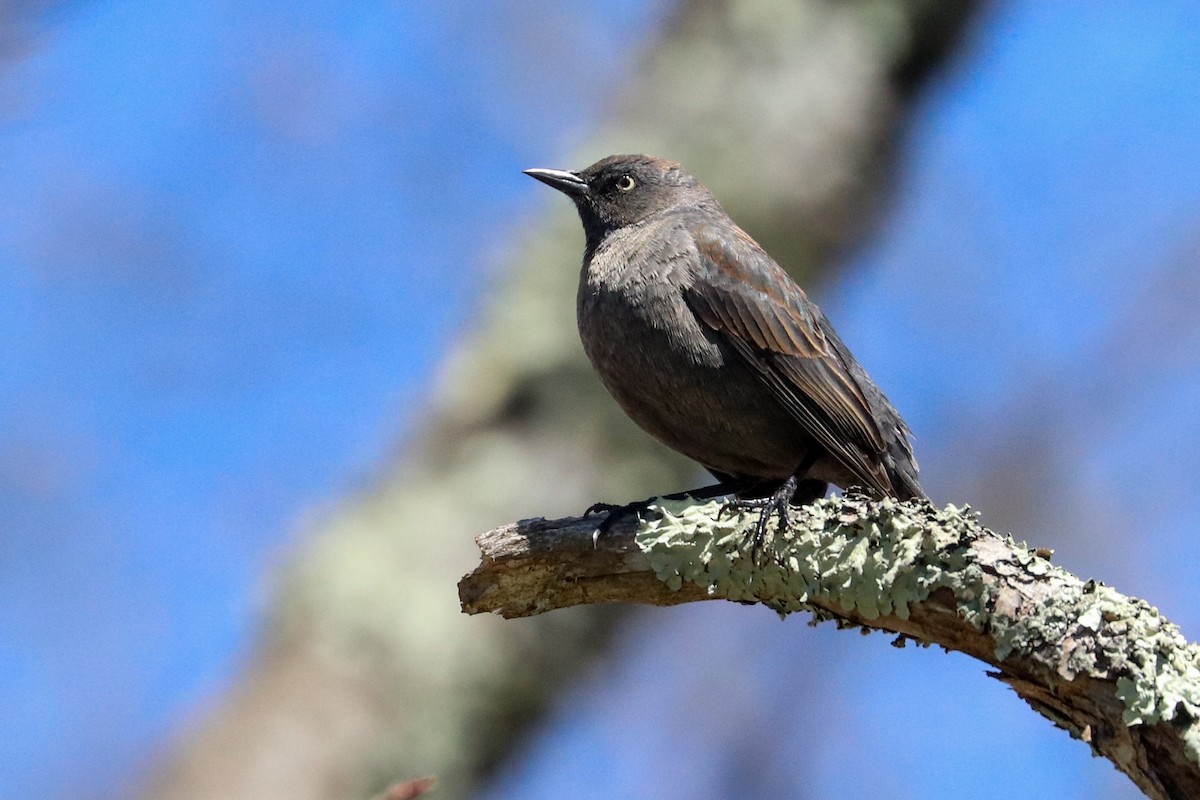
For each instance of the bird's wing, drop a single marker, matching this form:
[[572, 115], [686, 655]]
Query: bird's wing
[[774, 327]]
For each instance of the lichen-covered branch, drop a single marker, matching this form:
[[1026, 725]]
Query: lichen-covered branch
[[1107, 668]]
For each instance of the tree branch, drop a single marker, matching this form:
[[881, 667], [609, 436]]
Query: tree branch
[[1105, 667]]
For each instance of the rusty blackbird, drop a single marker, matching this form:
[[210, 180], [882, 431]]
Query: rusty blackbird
[[716, 352]]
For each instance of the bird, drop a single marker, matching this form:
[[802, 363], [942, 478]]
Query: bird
[[716, 352]]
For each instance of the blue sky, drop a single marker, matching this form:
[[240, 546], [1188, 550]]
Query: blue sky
[[234, 250], [241, 236]]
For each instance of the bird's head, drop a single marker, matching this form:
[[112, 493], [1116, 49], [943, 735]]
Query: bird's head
[[623, 190]]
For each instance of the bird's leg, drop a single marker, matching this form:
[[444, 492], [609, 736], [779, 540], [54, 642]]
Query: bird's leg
[[795, 489], [777, 502]]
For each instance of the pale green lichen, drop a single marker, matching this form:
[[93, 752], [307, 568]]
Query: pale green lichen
[[878, 558], [872, 558]]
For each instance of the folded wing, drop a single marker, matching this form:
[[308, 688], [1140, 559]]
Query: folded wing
[[775, 328]]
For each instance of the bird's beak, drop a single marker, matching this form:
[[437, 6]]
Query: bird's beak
[[571, 184]]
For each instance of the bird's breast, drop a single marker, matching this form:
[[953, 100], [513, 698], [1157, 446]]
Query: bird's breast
[[677, 379]]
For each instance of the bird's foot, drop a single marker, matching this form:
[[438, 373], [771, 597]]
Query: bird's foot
[[604, 508], [614, 513], [778, 502]]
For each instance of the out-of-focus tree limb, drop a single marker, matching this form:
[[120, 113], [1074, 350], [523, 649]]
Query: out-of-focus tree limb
[[1105, 667]]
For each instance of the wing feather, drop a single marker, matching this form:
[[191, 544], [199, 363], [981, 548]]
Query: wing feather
[[773, 326]]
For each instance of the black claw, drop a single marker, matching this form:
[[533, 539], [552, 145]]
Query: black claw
[[778, 502], [602, 508], [775, 503], [614, 513]]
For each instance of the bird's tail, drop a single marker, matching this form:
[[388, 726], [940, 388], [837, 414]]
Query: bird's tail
[[902, 471]]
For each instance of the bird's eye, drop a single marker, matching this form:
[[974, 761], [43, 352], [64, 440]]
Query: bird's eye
[[625, 183]]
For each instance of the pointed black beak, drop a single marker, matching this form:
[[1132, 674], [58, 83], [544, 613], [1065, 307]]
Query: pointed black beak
[[569, 183]]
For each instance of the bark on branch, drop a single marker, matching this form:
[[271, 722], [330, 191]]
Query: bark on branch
[[1107, 668]]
